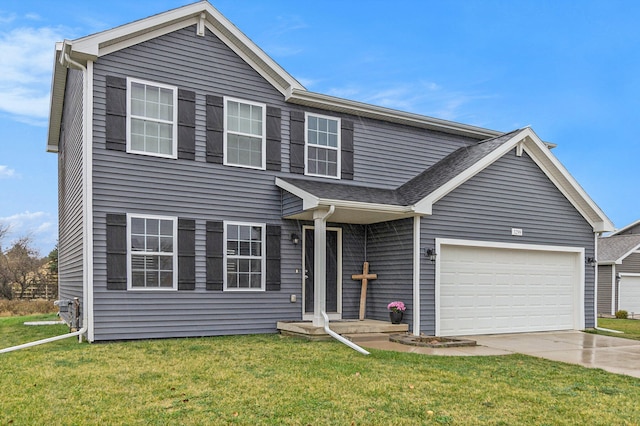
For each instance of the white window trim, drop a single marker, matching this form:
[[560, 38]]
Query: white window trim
[[129, 252], [264, 133], [263, 276], [174, 147], [306, 145]]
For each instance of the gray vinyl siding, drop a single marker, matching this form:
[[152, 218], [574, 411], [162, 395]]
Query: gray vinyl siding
[[633, 230], [70, 200], [353, 256], [388, 155], [630, 265], [290, 204], [604, 289], [390, 254], [511, 193], [195, 189], [128, 183]]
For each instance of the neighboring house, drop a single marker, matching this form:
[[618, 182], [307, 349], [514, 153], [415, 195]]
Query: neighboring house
[[619, 271], [204, 191]]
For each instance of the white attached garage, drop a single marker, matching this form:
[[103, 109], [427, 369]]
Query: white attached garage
[[492, 288], [629, 293]]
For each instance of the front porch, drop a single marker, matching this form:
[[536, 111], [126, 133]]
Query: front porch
[[307, 330]]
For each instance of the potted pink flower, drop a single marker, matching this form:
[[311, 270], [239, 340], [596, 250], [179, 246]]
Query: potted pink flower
[[396, 311]]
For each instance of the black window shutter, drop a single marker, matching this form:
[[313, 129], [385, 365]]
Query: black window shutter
[[116, 252], [274, 120], [186, 124], [116, 113], [273, 257], [186, 254], [215, 129], [346, 139], [296, 149], [214, 254]]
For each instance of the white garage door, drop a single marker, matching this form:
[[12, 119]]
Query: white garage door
[[629, 294], [490, 290]]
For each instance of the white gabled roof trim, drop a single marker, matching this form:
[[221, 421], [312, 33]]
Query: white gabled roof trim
[[526, 140], [621, 230], [318, 100], [204, 14], [91, 47], [310, 201]]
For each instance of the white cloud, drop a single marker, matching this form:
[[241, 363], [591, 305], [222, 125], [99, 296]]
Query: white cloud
[[26, 63], [6, 172], [420, 97], [39, 226]]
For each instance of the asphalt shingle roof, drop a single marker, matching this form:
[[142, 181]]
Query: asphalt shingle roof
[[415, 189], [614, 247]]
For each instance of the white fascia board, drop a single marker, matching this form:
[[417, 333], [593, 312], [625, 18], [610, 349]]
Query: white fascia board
[[621, 230], [529, 142], [304, 97], [58, 85], [128, 35], [627, 254], [425, 206], [567, 184], [369, 207], [309, 201]]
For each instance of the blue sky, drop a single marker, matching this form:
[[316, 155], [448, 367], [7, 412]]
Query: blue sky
[[570, 69]]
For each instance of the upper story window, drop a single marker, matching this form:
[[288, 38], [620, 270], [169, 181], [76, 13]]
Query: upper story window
[[322, 147], [244, 126], [244, 256], [152, 116], [152, 252]]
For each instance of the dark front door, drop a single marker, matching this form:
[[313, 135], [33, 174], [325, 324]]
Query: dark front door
[[333, 282]]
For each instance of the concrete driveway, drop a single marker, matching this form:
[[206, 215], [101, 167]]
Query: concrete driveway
[[613, 354]]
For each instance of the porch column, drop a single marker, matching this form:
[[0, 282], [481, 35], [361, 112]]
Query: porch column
[[320, 264]]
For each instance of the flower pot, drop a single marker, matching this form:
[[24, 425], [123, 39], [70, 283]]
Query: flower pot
[[396, 317]]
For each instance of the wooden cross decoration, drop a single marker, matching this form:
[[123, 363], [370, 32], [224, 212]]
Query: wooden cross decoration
[[365, 277]]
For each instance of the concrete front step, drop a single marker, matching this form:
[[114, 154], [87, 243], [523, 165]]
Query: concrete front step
[[345, 327]]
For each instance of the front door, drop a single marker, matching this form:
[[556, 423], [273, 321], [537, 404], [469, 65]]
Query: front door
[[334, 273]]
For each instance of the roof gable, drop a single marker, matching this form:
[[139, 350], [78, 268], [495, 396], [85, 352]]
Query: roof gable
[[523, 140], [77, 53], [419, 194], [633, 228]]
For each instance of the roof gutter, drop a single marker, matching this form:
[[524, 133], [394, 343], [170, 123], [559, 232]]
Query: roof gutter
[[304, 97]]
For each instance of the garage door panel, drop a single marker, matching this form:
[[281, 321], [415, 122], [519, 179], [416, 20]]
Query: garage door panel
[[629, 294], [486, 290]]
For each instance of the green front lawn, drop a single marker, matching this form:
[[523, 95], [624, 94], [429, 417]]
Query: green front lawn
[[267, 379], [630, 328]]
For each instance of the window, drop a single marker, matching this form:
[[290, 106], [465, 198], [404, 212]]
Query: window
[[244, 256], [244, 133], [152, 252], [322, 147], [152, 118]]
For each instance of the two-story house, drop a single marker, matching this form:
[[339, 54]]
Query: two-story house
[[204, 191]]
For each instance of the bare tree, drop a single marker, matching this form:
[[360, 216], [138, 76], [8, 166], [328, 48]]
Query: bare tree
[[23, 264], [6, 289]]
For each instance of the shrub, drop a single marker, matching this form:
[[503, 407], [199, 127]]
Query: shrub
[[622, 314], [10, 308]]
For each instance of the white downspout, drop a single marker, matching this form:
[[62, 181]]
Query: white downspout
[[319, 264], [48, 340], [339, 337], [416, 276], [66, 59]]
